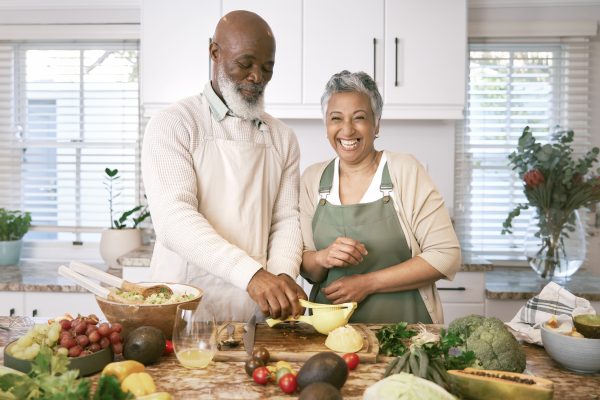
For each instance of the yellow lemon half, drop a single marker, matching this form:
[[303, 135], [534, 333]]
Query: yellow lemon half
[[344, 339]]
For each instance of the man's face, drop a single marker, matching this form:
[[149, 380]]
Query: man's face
[[244, 67]]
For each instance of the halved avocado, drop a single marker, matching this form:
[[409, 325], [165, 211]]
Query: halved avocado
[[588, 325], [480, 384]]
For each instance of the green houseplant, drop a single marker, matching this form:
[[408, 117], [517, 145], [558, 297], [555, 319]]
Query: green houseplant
[[120, 238], [557, 185], [13, 226]]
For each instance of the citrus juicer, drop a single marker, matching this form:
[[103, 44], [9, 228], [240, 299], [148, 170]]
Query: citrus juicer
[[325, 317]]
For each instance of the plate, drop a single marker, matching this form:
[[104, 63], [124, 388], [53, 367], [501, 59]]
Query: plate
[[86, 365]]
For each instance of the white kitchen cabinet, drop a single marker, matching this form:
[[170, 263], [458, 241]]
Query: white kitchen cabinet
[[52, 304], [425, 58], [12, 303], [285, 20], [338, 35], [462, 296], [174, 57]]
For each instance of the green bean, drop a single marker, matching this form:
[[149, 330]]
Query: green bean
[[390, 366], [435, 375], [423, 363], [413, 364]]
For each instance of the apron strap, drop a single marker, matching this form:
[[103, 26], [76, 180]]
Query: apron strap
[[326, 182], [386, 185]]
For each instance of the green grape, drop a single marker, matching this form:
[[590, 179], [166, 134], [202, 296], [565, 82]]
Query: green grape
[[62, 350], [25, 341]]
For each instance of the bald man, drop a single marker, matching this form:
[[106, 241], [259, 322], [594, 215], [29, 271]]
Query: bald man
[[222, 180]]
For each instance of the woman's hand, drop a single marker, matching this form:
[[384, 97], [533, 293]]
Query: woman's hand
[[342, 252], [348, 288]]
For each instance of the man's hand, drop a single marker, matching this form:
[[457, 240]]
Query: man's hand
[[342, 252], [276, 295]]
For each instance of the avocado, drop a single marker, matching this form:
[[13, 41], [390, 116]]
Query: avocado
[[588, 325], [144, 344], [320, 391], [323, 367]]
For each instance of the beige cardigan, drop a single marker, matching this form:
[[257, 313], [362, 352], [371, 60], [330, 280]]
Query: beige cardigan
[[423, 217]]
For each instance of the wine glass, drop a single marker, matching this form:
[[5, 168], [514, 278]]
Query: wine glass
[[195, 335]]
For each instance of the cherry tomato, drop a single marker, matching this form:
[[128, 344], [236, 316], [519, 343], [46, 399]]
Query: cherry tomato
[[168, 347], [288, 383], [261, 375], [351, 359], [262, 354], [252, 364]]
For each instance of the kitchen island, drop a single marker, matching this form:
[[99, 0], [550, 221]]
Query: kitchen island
[[227, 380]]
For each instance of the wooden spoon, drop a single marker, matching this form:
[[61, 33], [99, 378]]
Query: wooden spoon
[[122, 284]]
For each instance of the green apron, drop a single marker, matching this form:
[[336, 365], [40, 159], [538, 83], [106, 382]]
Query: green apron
[[376, 225]]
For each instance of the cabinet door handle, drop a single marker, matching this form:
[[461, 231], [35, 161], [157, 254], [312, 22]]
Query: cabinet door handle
[[375, 59], [396, 59], [12, 312], [452, 288], [34, 313]]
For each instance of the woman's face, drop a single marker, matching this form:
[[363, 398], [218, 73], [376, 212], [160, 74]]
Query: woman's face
[[351, 126]]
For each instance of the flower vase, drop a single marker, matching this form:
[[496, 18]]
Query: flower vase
[[560, 251]]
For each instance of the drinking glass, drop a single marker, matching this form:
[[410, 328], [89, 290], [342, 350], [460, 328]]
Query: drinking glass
[[195, 335]]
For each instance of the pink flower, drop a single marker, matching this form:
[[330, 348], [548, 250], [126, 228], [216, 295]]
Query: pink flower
[[533, 178]]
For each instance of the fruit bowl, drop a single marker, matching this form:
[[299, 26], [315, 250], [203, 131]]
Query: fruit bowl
[[87, 365], [575, 353], [161, 316]]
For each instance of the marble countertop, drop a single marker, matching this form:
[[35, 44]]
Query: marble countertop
[[40, 277], [141, 258], [524, 283], [227, 380]]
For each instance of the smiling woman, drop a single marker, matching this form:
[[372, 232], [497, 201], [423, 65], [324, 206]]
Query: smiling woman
[[375, 229]]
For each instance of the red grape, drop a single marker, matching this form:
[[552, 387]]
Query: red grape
[[104, 329], [116, 327], [67, 342], [82, 340], [104, 342], [75, 351], [90, 328], [94, 347], [65, 324], [117, 348], [94, 336], [80, 328], [115, 338]]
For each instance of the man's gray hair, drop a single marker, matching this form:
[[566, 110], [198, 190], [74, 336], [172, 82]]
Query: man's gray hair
[[347, 81]]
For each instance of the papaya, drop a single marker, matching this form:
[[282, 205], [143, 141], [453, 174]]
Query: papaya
[[480, 384]]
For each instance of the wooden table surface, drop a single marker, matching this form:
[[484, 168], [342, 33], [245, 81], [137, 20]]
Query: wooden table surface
[[227, 380]]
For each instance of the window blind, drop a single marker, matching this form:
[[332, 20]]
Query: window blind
[[510, 86], [67, 112]]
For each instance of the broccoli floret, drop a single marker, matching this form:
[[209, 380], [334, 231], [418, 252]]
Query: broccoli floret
[[493, 344]]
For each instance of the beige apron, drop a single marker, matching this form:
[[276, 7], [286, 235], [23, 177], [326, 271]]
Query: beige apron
[[238, 181]]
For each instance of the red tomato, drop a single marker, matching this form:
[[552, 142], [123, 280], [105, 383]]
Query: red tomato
[[168, 347], [351, 359], [288, 383], [261, 375]]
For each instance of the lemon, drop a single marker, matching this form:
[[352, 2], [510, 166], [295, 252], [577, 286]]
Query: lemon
[[344, 339]]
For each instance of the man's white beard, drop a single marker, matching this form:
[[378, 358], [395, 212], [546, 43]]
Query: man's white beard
[[236, 102]]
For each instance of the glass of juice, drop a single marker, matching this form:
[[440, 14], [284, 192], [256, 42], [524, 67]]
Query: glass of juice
[[195, 335]]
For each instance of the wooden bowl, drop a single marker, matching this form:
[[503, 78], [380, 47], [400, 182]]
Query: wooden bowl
[[161, 316], [87, 365]]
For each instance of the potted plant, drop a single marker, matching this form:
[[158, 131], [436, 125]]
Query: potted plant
[[13, 226], [557, 185], [123, 235]]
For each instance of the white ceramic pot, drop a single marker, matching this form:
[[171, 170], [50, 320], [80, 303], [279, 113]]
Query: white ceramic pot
[[10, 252], [116, 242]]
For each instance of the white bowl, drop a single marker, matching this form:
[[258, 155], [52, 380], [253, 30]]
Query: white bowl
[[576, 354]]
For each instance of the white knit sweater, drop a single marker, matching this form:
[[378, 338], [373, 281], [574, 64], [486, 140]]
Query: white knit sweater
[[170, 146]]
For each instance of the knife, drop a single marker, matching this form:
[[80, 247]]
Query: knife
[[248, 336]]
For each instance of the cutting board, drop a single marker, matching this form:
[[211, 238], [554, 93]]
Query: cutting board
[[292, 342]]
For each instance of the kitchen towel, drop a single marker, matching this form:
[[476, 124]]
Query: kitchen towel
[[552, 300]]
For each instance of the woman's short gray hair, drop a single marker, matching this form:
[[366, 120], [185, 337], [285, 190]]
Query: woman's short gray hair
[[347, 81]]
